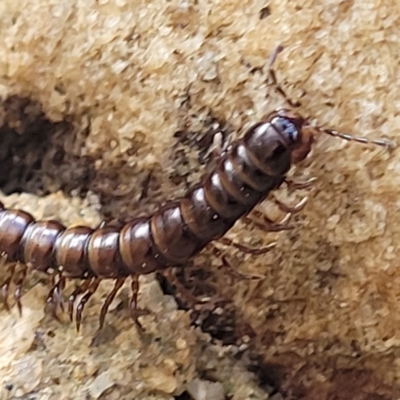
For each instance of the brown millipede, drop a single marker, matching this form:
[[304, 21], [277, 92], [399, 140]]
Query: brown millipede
[[245, 173]]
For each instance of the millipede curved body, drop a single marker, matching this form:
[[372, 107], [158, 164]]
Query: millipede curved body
[[245, 174]]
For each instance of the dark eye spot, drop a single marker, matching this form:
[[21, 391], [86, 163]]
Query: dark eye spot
[[287, 127]]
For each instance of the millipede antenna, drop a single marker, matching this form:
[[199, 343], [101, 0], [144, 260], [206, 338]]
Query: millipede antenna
[[359, 139], [294, 104], [274, 81]]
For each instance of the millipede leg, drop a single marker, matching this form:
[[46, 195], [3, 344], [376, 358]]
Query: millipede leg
[[236, 274], [54, 297], [181, 292], [72, 298], [111, 222], [18, 288], [245, 249], [299, 185], [186, 297], [267, 224], [146, 185], [50, 301], [133, 305], [86, 297], [6, 286], [219, 147], [292, 209], [228, 267], [117, 286], [58, 292]]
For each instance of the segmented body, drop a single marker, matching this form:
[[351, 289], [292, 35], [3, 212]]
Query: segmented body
[[249, 169], [246, 172]]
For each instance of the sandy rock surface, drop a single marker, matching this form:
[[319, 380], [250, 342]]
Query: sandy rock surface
[[109, 108]]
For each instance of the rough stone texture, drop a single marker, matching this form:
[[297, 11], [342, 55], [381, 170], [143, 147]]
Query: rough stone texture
[[125, 77]]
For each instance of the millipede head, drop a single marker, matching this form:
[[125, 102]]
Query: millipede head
[[305, 125], [294, 128]]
